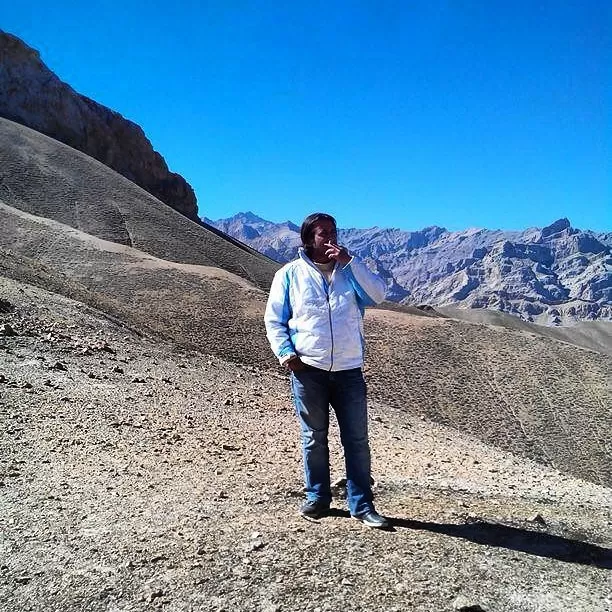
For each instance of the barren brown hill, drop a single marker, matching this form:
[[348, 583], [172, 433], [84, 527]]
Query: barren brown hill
[[539, 398], [594, 335], [47, 178], [149, 454]]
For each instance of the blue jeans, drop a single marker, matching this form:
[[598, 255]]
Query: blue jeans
[[314, 391]]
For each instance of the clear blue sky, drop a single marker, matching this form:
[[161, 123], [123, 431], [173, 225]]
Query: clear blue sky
[[458, 113]]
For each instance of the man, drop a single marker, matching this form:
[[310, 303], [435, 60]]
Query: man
[[314, 322]]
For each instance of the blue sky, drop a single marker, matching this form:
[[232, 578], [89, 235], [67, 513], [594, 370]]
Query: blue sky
[[464, 113]]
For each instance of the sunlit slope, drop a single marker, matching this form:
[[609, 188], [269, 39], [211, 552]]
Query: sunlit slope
[[44, 177], [523, 392], [536, 396], [595, 335], [529, 394]]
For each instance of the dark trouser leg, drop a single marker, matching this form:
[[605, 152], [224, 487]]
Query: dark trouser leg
[[348, 399], [311, 399]]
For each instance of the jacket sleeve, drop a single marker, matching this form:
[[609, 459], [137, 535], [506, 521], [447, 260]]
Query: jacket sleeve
[[368, 286], [276, 318]]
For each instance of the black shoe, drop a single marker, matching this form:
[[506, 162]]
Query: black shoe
[[313, 510], [372, 519]]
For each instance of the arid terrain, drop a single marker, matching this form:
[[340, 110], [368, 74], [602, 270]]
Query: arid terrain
[[149, 455]]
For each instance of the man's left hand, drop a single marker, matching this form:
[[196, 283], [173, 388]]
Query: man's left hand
[[337, 252]]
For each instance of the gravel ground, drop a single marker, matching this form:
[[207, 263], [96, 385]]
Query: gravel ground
[[137, 476]]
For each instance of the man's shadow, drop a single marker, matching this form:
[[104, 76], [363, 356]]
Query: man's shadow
[[523, 540], [513, 538]]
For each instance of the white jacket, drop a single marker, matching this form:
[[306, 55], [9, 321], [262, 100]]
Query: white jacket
[[321, 322]]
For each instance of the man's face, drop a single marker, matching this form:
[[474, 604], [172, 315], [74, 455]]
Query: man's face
[[323, 232]]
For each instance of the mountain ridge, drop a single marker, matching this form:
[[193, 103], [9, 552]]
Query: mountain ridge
[[555, 275]]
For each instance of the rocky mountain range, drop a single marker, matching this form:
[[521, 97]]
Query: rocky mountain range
[[554, 275], [34, 96], [149, 454]]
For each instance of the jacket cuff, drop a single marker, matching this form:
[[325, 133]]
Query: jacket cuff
[[285, 358]]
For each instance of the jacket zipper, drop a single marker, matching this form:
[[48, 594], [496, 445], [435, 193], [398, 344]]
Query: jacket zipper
[[331, 327], [327, 287]]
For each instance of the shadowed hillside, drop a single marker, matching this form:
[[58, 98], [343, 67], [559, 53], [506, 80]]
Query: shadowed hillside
[[522, 392], [44, 177], [149, 454], [33, 95]]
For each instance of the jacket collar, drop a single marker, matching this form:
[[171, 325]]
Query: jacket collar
[[302, 255]]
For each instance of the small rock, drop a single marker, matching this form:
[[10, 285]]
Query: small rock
[[537, 518], [7, 330], [136, 379], [256, 545], [155, 594], [463, 604], [6, 306], [58, 365], [118, 370], [346, 582]]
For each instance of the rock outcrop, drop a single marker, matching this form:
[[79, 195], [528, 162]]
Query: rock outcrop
[[553, 275], [34, 96]]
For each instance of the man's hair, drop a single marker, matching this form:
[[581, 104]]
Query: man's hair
[[309, 223]]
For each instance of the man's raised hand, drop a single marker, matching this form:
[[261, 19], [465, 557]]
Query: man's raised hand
[[338, 253]]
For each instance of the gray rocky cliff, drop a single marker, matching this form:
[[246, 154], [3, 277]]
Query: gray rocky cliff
[[34, 96], [553, 275]]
